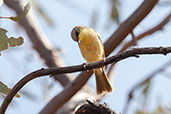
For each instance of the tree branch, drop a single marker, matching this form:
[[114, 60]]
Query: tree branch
[[152, 75], [141, 36], [126, 27], [110, 45], [148, 32], [39, 40], [94, 108], [53, 71]]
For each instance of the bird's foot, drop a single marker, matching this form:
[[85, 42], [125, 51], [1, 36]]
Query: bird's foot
[[85, 66]]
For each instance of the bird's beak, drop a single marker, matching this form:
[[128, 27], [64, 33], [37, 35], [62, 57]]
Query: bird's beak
[[78, 41]]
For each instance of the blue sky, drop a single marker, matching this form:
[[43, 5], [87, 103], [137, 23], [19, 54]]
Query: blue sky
[[65, 16]]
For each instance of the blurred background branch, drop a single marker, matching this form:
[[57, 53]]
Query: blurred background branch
[[141, 36], [39, 40], [113, 20], [110, 45], [144, 82], [64, 95]]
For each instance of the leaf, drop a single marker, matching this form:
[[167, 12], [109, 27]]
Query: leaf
[[23, 13], [5, 42], [15, 41], [146, 87], [114, 13], [4, 89]]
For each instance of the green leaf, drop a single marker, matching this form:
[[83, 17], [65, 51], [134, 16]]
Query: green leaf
[[5, 42], [4, 89], [15, 41], [23, 13], [114, 14], [147, 86], [114, 11]]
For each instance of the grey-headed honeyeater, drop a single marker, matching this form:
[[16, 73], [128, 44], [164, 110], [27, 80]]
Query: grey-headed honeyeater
[[92, 50]]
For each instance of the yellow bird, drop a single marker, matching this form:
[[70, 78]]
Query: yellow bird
[[92, 50]]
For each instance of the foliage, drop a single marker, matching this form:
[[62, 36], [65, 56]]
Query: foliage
[[12, 42], [23, 13], [4, 89], [5, 41], [114, 12]]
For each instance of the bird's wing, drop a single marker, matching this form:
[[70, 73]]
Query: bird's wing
[[101, 45]]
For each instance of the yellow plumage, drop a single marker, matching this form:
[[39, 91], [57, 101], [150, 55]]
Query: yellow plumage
[[92, 50]]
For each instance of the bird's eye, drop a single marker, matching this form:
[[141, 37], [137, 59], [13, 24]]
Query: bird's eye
[[74, 34], [77, 32]]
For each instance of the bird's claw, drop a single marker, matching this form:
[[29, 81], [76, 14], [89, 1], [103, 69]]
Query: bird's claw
[[85, 66]]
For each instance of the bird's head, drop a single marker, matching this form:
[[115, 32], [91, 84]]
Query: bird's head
[[75, 33]]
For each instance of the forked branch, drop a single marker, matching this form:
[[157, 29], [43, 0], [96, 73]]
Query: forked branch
[[44, 72]]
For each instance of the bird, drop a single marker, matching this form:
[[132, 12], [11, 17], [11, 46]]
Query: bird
[[92, 50]]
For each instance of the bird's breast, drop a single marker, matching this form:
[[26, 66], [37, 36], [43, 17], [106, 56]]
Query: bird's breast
[[91, 49]]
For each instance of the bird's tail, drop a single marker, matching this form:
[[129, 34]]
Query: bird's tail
[[102, 82]]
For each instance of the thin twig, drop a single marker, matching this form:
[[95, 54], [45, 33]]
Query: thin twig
[[142, 36], [110, 45], [152, 75], [39, 40], [133, 38], [148, 32], [53, 71], [128, 25]]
